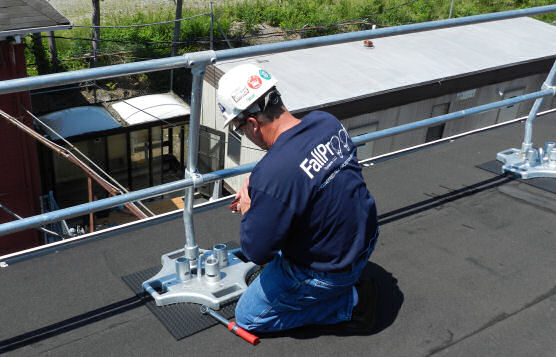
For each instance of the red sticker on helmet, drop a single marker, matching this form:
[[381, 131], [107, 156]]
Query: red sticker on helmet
[[254, 82]]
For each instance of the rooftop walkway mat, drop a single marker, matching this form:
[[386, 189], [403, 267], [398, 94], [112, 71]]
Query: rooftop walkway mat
[[181, 320], [184, 319], [544, 183]]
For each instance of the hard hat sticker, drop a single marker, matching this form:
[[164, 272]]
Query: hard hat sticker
[[239, 93], [222, 109], [254, 82], [264, 74]]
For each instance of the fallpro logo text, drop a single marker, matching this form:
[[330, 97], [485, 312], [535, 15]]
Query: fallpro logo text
[[323, 155]]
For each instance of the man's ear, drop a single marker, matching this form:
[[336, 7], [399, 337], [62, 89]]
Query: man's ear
[[255, 123]]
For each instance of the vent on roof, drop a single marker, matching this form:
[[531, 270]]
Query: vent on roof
[[368, 43]]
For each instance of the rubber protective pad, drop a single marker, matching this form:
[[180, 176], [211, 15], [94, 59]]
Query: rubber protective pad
[[544, 183], [181, 320]]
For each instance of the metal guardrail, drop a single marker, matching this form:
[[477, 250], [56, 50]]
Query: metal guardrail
[[82, 209], [190, 59], [13, 258], [198, 62]]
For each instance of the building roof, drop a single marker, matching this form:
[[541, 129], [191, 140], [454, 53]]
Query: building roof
[[78, 120], [465, 266], [322, 76], [149, 108], [19, 17]]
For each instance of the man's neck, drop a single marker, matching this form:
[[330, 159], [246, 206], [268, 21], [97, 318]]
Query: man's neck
[[279, 125]]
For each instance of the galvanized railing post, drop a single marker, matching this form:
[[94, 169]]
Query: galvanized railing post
[[547, 85], [191, 248]]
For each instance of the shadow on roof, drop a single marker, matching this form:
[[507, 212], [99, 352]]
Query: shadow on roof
[[440, 200], [390, 300], [70, 324]]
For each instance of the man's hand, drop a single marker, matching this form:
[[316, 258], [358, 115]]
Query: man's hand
[[244, 200]]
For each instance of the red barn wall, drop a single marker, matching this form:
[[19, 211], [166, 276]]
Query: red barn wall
[[19, 169]]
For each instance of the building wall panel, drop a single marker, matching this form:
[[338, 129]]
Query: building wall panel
[[19, 172]]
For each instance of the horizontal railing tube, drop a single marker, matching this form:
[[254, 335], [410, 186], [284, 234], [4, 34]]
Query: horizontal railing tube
[[45, 218], [447, 117], [187, 60], [85, 208], [82, 75]]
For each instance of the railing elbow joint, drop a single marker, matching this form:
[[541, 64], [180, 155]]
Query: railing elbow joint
[[552, 88], [198, 61]]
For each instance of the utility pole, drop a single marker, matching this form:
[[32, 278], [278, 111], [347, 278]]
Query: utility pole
[[38, 51], [96, 30], [211, 27], [53, 51], [177, 27], [451, 7]]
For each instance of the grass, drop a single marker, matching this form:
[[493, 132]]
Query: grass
[[320, 17]]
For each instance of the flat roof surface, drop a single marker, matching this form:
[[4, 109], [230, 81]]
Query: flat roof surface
[[149, 108], [322, 76], [26, 15], [465, 265], [78, 120]]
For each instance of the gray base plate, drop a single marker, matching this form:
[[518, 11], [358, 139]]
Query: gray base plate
[[547, 184], [181, 320]]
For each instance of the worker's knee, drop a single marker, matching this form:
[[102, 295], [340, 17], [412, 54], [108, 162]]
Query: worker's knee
[[246, 315]]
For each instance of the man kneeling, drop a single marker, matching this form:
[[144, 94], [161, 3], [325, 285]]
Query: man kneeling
[[306, 212]]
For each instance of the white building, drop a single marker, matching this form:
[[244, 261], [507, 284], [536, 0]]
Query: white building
[[401, 79]]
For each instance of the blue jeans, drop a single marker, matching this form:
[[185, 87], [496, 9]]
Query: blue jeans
[[286, 296]]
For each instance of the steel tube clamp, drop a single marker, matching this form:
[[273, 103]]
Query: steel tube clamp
[[220, 252], [212, 270], [183, 270]]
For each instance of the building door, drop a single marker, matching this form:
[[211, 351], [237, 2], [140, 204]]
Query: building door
[[437, 131]]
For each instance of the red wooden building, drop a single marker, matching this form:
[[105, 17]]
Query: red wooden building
[[19, 170]]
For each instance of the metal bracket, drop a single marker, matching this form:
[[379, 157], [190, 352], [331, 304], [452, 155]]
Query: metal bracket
[[216, 277], [532, 163], [199, 60], [546, 86], [197, 179]]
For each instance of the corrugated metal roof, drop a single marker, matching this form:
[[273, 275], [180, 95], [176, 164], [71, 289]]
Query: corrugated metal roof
[[79, 120], [26, 15], [149, 108], [316, 77]]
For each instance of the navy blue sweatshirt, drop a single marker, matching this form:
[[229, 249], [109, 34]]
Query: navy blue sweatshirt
[[308, 199]]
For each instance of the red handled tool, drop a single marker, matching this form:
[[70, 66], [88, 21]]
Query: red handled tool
[[234, 204], [232, 326]]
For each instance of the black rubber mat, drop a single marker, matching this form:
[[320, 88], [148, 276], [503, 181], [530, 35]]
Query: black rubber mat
[[183, 319], [544, 183]]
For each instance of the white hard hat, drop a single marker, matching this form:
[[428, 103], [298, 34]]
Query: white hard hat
[[240, 87]]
